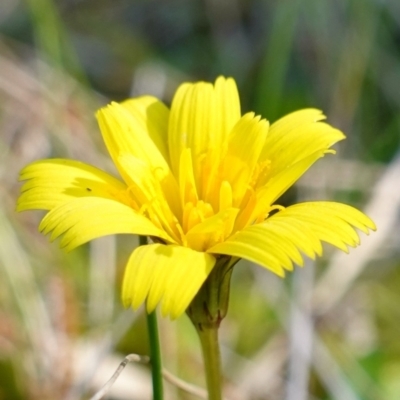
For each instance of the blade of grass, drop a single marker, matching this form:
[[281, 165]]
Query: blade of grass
[[52, 38], [270, 84]]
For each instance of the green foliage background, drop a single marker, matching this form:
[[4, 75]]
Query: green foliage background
[[61, 60]]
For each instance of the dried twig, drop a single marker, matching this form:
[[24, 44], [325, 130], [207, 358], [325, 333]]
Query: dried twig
[[187, 387], [181, 384], [131, 357]]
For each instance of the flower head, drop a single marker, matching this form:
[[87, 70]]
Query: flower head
[[202, 180]]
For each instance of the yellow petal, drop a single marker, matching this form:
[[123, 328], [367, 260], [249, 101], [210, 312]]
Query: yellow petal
[[87, 218], [244, 146], [320, 210], [146, 189], [212, 230], [126, 132], [276, 242], [279, 183], [294, 138], [153, 117], [347, 213], [225, 196], [296, 119], [228, 103], [202, 115], [55, 181], [330, 222], [261, 247], [171, 275], [187, 184]]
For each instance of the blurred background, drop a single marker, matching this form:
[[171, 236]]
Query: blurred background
[[328, 331]]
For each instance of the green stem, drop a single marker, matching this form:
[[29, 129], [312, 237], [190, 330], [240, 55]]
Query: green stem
[[155, 353], [206, 311], [212, 362], [155, 356]]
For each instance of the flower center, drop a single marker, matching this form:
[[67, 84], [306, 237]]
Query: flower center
[[194, 214]]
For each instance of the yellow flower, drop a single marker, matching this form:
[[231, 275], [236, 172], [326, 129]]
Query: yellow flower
[[202, 181]]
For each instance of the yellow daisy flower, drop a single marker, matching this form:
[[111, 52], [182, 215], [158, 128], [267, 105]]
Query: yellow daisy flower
[[201, 180]]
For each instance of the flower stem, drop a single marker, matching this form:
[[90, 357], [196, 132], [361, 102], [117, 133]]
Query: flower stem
[[212, 363], [206, 311], [155, 353], [155, 356]]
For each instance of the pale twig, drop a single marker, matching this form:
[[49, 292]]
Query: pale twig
[[98, 351], [187, 387], [181, 384], [131, 357]]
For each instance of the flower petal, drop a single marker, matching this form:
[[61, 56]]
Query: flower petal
[[212, 230], [126, 131], [202, 115], [146, 189], [187, 184], [279, 183], [244, 146], [276, 242], [55, 181], [152, 115], [294, 138], [87, 218], [296, 119], [171, 275]]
